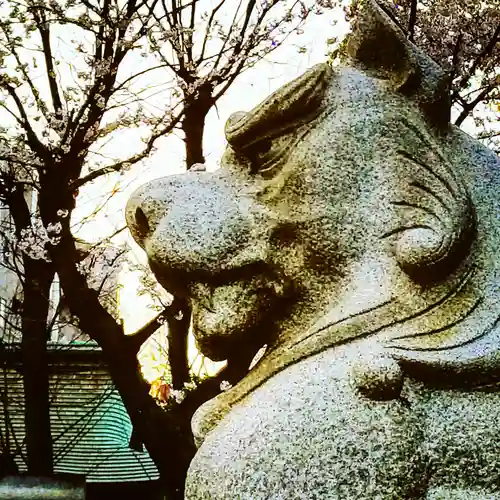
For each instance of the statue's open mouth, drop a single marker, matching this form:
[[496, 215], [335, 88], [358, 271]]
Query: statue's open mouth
[[229, 316], [229, 310]]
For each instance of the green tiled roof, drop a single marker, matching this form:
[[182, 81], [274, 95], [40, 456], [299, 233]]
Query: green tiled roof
[[90, 425]]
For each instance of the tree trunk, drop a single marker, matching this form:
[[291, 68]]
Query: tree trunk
[[193, 126], [38, 279], [165, 433], [178, 330]]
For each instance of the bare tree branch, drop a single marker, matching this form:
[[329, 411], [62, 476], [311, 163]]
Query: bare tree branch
[[137, 75], [413, 20], [456, 58], [232, 26], [33, 141], [34, 91], [44, 30], [488, 135], [488, 49], [116, 167], [137, 339], [469, 107], [207, 31], [189, 41]]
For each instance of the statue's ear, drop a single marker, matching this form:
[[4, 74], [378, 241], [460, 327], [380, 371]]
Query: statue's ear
[[379, 46]]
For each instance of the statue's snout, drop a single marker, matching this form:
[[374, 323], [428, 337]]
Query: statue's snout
[[191, 222]]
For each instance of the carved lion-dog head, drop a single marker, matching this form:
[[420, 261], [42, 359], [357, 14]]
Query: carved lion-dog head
[[346, 205]]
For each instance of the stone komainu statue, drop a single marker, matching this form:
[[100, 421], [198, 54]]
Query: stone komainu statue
[[356, 233]]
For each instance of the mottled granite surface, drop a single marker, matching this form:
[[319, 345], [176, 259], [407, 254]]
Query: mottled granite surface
[[356, 233]]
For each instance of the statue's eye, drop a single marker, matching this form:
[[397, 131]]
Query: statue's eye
[[265, 154], [258, 151], [264, 146]]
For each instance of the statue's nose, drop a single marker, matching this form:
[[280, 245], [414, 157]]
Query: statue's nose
[[193, 221], [149, 203], [146, 207]]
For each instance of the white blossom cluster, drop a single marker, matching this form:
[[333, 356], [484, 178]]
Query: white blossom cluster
[[34, 239], [57, 121], [173, 395], [24, 160], [102, 67], [178, 396], [225, 386]]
